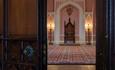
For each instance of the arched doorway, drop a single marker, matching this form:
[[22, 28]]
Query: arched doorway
[[57, 38]]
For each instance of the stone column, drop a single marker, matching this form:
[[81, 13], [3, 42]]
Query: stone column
[[82, 28], [57, 30]]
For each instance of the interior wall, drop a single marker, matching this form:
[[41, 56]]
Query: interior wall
[[22, 18], [50, 7], [89, 5], [60, 2]]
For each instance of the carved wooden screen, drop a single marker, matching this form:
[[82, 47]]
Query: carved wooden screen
[[69, 33]]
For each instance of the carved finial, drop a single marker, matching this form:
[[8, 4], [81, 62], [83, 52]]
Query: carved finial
[[69, 19], [69, 10]]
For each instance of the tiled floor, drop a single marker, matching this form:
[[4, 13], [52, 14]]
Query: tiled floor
[[71, 67], [71, 54]]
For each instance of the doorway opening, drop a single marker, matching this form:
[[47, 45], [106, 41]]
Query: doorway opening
[[71, 28]]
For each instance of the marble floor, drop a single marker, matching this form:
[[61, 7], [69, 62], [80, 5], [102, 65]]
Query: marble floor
[[71, 67]]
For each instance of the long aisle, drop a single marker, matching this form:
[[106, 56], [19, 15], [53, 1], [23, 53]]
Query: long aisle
[[71, 54]]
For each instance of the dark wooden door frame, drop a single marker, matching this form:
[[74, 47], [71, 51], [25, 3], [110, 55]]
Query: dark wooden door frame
[[42, 32], [101, 41], [5, 31], [105, 13], [110, 20]]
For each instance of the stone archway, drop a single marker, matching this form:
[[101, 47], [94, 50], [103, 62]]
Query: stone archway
[[81, 23]]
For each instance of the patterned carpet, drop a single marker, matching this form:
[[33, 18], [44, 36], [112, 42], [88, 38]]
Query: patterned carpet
[[71, 54]]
